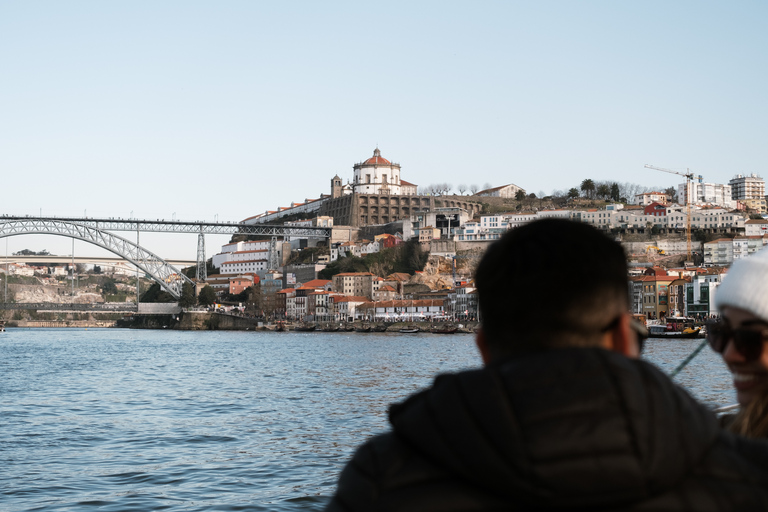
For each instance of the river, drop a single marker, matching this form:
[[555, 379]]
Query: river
[[114, 419]]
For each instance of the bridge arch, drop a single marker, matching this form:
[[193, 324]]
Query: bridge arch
[[163, 273]]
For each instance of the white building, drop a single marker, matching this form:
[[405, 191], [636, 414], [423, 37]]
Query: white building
[[647, 198], [756, 227], [747, 187], [242, 257], [377, 175], [700, 193], [509, 191]]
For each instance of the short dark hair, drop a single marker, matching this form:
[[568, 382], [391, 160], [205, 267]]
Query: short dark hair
[[550, 283]]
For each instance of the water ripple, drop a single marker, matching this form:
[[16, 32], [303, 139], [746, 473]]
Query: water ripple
[[118, 420]]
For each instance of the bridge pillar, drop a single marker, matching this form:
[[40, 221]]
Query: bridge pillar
[[202, 271]]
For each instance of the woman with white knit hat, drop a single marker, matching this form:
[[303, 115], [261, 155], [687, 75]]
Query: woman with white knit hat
[[741, 337]]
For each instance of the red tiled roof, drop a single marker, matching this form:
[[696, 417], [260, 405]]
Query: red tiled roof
[[351, 299], [377, 159], [316, 283]]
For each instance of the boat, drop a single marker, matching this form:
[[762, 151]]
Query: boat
[[280, 326], [363, 328], [380, 328], [305, 327], [409, 329], [664, 331], [329, 328], [444, 329], [2, 325]]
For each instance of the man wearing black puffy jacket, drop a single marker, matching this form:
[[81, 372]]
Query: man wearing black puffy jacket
[[563, 415]]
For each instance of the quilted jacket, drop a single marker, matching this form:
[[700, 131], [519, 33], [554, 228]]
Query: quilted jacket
[[571, 429]]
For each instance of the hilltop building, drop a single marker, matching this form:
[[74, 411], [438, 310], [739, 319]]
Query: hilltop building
[[508, 191], [379, 195]]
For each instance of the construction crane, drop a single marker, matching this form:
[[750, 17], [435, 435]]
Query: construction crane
[[688, 196]]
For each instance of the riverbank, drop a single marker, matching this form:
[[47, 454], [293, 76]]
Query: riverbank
[[209, 321]]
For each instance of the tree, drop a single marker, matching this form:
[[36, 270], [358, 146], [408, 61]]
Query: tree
[[474, 189], [603, 191], [109, 287], [520, 195], [671, 194], [96, 269], [207, 296], [462, 188], [187, 299], [573, 193], [629, 191], [588, 187], [156, 294], [615, 194]]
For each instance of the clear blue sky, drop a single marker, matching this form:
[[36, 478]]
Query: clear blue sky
[[230, 108]]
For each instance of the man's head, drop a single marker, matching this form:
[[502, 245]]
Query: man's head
[[548, 284]]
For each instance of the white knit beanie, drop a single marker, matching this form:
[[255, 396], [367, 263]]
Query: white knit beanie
[[745, 285]]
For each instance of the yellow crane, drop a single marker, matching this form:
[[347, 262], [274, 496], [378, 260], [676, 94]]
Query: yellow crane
[[688, 196]]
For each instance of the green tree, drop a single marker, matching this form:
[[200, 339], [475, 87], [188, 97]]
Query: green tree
[[520, 195], [573, 193], [588, 187], [603, 191], [615, 193], [671, 194], [207, 296], [108, 287], [187, 299], [156, 294]]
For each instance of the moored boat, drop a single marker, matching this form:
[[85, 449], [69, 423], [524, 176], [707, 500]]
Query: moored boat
[[409, 329], [363, 328], [664, 331], [444, 329], [305, 327]]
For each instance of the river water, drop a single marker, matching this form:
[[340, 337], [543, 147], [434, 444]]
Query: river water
[[113, 419]]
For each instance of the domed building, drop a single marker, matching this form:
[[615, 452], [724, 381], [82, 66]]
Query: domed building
[[377, 175], [377, 195]]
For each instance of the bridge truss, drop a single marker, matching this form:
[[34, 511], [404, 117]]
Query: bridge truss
[[172, 226], [169, 277], [97, 232]]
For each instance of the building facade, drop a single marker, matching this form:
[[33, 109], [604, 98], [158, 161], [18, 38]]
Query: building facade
[[747, 187]]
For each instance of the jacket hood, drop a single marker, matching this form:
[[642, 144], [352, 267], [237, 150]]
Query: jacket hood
[[569, 427]]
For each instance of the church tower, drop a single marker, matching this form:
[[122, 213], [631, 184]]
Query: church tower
[[336, 187]]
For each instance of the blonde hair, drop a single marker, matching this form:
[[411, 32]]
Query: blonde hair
[[752, 420]]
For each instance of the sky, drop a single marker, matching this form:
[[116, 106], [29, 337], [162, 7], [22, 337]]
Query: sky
[[202, 110]]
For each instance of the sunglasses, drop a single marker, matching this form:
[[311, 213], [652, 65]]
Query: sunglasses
[[748, 342], [641, 331]]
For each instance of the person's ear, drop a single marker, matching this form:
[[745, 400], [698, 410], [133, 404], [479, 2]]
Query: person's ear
[[622, 339], [482, 345]]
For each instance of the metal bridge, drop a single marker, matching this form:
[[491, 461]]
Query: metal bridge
[[97, 232]]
